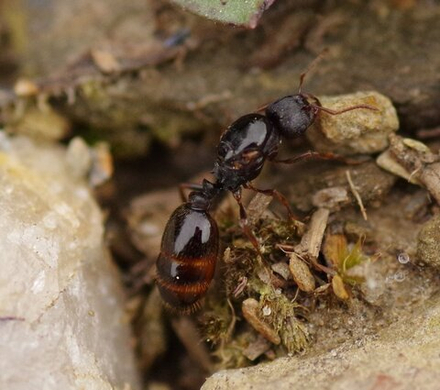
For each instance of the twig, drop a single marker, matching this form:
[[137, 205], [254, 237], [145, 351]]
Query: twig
[[311, 241], [415, 162], [356, 195]]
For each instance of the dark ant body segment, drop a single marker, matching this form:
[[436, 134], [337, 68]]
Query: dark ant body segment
[[243, 149], [189, 249]]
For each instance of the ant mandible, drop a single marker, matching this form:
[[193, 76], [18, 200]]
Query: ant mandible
[[190, 242]]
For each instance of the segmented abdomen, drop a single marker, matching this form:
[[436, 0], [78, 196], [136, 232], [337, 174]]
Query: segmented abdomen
[[186, 263]]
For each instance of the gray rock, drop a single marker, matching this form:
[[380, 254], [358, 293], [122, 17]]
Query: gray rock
[[61, 319]]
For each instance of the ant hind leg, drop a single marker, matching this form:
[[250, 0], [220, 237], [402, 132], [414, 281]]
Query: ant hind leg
[[320, 155], [278, 196], [244, 223]]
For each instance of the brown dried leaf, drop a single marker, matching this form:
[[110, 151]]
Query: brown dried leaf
[[339, 287], [335, 249], [301, 273]]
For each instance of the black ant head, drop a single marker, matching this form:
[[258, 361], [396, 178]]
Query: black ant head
[[292, 115]]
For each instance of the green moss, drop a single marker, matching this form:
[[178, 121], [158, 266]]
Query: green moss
[[282, 317]]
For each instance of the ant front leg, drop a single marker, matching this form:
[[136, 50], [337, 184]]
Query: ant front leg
[[319, 155], [278, 196], [244, 222], [188, 186]]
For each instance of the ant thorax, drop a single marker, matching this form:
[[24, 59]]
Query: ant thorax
[[243, 149]]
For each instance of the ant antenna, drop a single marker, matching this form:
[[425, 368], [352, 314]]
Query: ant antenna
[[310, 67]]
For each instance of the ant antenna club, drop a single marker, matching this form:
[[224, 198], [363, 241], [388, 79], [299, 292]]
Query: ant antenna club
[[310, 67]]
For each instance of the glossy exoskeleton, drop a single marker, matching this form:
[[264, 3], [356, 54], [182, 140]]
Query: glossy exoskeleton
[[189, 249]]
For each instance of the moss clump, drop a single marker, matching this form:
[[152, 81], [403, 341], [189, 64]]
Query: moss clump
[[258, 312], [281, 313]]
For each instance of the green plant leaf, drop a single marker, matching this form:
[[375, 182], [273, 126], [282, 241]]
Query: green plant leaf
[[354, 257], [239, 12]]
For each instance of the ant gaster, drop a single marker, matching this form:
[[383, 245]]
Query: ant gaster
[[190, 242]]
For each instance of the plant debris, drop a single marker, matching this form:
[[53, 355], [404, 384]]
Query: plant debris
[[414, 161]]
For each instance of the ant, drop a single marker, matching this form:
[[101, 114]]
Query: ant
[[190, 242]]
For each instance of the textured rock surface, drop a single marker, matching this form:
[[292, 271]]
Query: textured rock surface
[[428, 245], [404, 356], [374, 45], [61, 318], [357, 131]]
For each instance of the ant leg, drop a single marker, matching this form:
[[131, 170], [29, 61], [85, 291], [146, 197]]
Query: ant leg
[[188, 186], [319, 155], [244, 222], [278, 195]]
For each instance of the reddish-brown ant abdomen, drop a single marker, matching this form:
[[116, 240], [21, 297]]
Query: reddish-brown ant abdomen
[[186, 263]]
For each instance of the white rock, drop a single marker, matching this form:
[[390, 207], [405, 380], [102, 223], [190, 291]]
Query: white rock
[[61, 319]]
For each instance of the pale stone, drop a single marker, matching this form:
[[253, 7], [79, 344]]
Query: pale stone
[[358, 131], [404, 356], [61, 320]]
